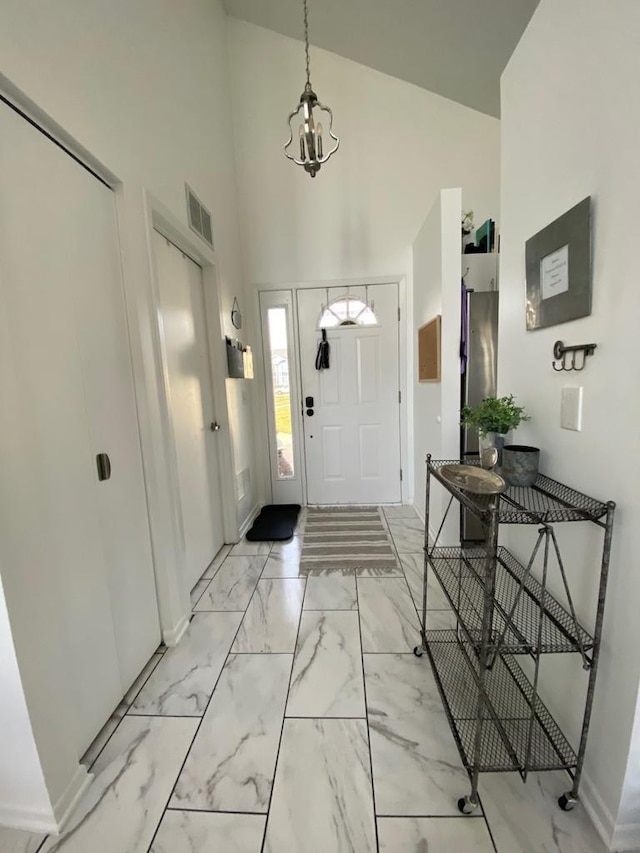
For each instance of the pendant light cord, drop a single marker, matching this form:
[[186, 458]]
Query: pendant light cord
[[306, 42]]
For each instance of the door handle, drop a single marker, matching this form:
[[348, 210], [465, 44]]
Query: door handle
[[214, 426], [103, 464]]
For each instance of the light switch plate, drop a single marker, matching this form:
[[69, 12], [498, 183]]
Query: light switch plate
[[571, 408]]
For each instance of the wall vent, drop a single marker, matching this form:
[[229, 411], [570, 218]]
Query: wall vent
[[199, 217]]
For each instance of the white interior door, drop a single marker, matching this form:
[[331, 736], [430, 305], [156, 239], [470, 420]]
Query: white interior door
[[352, 430], [184, 333], [75, 552]]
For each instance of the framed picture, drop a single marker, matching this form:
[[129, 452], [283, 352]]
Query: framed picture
[[559, 269]]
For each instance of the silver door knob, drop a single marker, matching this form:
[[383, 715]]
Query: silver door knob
[[215, 426]]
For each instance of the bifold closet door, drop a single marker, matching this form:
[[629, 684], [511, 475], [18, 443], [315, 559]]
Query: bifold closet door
[[74, 551]]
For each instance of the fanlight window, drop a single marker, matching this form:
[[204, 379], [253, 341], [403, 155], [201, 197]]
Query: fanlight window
[[347, 311]]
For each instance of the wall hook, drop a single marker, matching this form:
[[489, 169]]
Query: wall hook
[[560, 354]]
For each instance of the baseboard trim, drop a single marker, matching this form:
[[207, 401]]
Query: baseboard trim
[[598, 811], [246, 524], [50, 822], [626, 838], [172, 636], [66, 804]]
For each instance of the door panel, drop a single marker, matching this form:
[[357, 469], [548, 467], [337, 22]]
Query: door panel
[[56, 231], [352, 442], [109, 393], [368, 369], [186, 347]]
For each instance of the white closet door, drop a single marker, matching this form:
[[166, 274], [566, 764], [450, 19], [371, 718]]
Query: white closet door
[[186, 348], [95, 276], [51, 543]]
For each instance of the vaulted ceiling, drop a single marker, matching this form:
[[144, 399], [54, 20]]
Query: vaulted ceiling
[[457, 48]]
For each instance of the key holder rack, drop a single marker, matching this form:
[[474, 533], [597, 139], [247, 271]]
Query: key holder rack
[[560, 354]]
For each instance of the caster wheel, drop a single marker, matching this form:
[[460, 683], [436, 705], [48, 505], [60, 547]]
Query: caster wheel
[[418, 651], [466, 806], [567, 803]]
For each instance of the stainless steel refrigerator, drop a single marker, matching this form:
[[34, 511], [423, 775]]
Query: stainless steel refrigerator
[[479, 380]]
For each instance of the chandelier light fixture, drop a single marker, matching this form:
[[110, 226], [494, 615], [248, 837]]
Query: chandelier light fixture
[[310, 131]]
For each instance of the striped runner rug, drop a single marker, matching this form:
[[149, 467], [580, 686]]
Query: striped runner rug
[[346, 538]]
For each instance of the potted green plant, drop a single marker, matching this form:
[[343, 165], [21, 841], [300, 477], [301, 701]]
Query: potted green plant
[[493, 417]]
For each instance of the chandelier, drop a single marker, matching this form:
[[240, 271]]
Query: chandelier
[[310, 131]]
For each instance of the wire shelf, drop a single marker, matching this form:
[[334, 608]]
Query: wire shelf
[[461, 573], [546, 501], [507, 711]]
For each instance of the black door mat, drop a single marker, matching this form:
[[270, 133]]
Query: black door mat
[[274, 523]]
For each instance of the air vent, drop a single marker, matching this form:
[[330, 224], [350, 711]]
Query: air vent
[[199, 217]]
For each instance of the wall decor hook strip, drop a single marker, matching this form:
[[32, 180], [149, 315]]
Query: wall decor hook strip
[[560, 352]]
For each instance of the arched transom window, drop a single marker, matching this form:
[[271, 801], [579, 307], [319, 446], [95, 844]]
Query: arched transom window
[[347, 311]]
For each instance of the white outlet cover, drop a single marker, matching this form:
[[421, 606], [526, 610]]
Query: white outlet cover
[[571, 408]]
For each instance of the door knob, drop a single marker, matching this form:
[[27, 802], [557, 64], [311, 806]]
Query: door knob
[[215, 426]]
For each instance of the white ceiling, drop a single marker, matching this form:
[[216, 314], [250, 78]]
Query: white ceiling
[[457, 48]]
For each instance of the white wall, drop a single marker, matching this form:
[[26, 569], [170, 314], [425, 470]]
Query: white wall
[[571, 128], [359, 217], [22, 785], [144, 88], [436, 405]]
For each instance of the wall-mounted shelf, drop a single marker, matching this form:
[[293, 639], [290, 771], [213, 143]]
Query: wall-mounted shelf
[[239, 360]]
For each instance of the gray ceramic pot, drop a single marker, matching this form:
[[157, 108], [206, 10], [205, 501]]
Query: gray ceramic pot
[[520, 464]]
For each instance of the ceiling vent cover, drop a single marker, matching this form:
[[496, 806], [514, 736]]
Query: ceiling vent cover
[[199, 217]]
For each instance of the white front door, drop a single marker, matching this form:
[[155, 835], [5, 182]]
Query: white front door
[[184, 332], [351, 411]]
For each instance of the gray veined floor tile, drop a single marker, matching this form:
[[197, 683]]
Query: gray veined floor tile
[[322, 799], [231, 764], [250, 549], [133, 779], [197, 591], [327, 670], [388, 617], [416, 766], [412, 565], [17, 841], [204, 832], [233, 584], [434, 834], [278, 566], [288, 551], [525, 817], [114, 720], [217, 562], [408, 534], [330, 592], [271, 621], [184, 679]]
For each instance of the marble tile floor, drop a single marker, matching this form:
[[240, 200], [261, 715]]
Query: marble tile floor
[[294, 718]]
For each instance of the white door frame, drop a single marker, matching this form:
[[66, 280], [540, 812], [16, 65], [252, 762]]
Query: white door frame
[[162, 220], [404, 362]]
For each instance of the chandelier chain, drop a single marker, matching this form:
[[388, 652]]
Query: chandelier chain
[[306, 41]]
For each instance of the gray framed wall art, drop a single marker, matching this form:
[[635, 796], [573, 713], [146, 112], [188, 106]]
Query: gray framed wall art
[[559, 269]]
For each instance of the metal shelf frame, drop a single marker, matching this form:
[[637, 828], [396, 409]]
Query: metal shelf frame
[[502, 610]]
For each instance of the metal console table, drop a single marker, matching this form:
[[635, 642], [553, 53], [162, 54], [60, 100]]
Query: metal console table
[[502, 610]]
